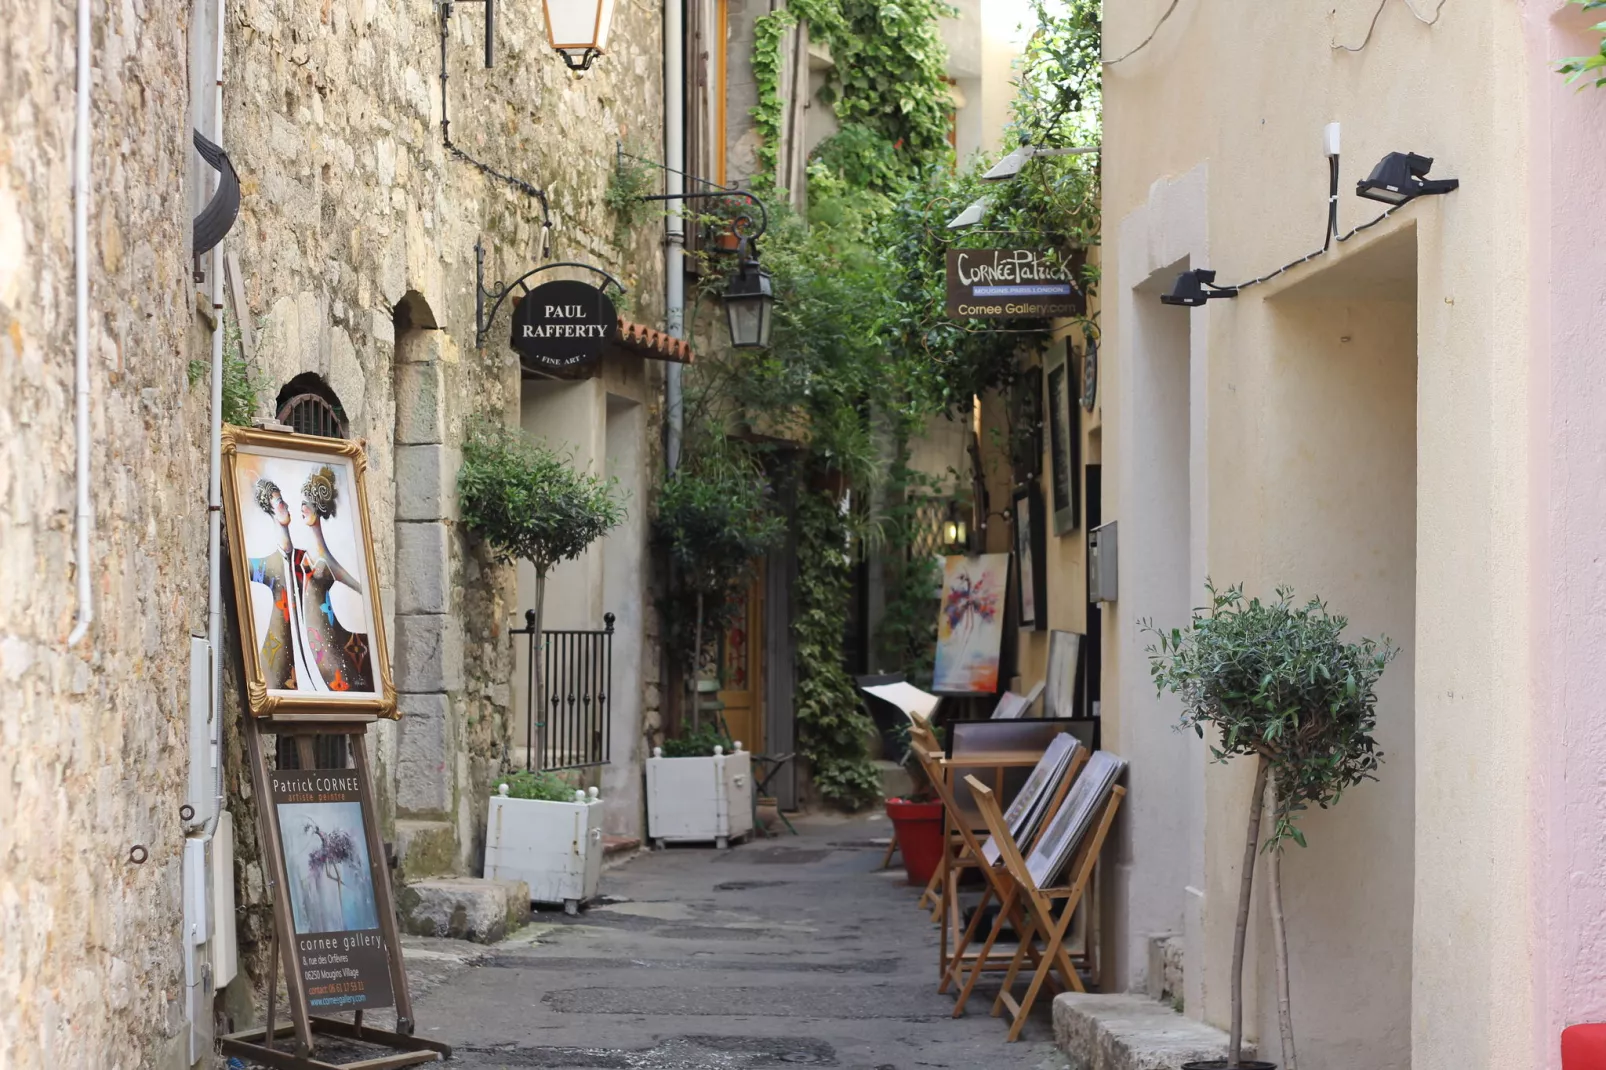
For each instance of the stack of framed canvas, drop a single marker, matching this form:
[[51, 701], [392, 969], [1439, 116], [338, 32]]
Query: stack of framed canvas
[[316, 665]]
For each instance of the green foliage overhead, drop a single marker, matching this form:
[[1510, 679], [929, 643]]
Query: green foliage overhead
[[527, 500], [714, 518], [768, 30], [1588, 66], [632, 179], [544, 787], [1278, 681]]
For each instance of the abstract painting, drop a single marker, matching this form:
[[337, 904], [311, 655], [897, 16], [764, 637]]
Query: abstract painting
[[970, 624]]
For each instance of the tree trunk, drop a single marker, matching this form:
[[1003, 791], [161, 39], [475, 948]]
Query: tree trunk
[[696, 669], [1246, 883], [1285, 1011], [537, 739]]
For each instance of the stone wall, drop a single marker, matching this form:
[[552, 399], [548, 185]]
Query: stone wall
[[357, 246], [92, 737]]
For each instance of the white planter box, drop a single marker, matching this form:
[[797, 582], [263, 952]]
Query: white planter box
[[554, 847], [700, 799]]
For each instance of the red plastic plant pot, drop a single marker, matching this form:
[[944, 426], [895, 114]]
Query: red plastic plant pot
[[1583, 1047], [919, 829]]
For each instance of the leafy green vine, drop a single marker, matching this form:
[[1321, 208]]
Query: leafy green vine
[[833, 730], [768, 31]]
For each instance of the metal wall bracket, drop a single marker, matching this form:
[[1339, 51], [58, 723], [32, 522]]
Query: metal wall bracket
[[483, 319]]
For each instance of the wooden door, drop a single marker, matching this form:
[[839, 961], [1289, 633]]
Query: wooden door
[[741, 669]]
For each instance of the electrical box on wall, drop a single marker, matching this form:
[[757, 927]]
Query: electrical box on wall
[[1101, 563]]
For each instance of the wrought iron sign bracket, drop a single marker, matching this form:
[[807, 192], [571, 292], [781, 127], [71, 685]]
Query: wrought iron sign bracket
[[496, 296]]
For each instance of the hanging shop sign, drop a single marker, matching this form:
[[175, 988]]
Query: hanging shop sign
[[562, 325], [1012, 284]]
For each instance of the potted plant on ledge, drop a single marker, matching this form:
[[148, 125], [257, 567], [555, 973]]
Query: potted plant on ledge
[[1277, 683], [529, 504]]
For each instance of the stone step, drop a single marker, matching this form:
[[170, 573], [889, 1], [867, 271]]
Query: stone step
[[464, 908], [425, 849], [1132, 1032]]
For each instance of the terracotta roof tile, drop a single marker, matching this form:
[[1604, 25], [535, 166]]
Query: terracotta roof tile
[[654, 344]]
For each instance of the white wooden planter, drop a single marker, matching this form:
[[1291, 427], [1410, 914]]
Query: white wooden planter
[[554, 847], [700, 799]]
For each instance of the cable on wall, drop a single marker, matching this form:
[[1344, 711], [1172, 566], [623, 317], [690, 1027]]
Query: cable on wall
[[1144, 43], [1372, 26], [527, 188]]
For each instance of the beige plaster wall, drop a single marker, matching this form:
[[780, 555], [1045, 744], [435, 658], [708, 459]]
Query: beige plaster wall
[[1213, 159]]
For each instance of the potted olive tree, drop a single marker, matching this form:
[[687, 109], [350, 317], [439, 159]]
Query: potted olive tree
[[1279, 684], [714, 518], [528, 503]]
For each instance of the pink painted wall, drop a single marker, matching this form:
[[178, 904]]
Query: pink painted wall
[[1568, 597]]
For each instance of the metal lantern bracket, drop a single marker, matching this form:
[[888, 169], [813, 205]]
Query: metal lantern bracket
[[741, 224], [483, 319]]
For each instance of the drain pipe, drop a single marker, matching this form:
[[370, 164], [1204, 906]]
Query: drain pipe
[[214, 489], [675, 185], [85, 519]]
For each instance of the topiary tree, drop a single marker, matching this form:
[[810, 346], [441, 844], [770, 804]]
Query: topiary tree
[[1279, 684], [528, 503], [714, 517]]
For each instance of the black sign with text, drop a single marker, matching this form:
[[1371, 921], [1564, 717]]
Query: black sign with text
[[1012, 283], [563, 325]]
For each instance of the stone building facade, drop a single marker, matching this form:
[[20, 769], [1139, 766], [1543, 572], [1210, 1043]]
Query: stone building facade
[[355, 247], [92, 757]]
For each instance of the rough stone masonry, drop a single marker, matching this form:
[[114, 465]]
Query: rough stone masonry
[[356, 243]]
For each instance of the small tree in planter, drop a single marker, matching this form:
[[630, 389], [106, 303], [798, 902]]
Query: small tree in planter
[[528, 503], [714, 518], [1279, 684]]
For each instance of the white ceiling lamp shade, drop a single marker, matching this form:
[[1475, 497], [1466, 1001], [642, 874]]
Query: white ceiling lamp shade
[[970, 216], [1010, 165], [578, 30]]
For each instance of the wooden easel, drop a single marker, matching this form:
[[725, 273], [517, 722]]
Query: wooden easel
[[1039, 903], [304, 1028]]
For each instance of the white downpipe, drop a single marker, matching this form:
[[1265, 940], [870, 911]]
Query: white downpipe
[[214, 490], [85, 519], [675, 184]]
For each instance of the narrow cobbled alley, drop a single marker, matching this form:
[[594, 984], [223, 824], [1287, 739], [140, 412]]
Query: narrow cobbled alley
[[782, 952]]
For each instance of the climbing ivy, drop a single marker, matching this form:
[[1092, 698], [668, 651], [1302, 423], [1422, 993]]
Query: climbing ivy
[[768, 31], [833, 730]]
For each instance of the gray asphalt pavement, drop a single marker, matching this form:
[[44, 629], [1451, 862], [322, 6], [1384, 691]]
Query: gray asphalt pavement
[[776, 953]]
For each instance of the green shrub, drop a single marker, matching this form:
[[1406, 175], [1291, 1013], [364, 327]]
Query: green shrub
[[698, 743], [543, 787]]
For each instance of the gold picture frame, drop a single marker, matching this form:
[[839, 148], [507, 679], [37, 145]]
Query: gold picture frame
[[298, 604]]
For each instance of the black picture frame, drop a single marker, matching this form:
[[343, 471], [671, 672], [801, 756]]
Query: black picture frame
[[1026, 428], [1031, 551], [1064, 437]]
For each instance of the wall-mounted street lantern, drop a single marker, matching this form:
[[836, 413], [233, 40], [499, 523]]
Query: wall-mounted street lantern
[[748, 300], [955, 531], [578, 30], [749, 296], [1402, 176]]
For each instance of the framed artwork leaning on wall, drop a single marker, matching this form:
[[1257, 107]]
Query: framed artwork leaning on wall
[[305, 583], [1064, 438]]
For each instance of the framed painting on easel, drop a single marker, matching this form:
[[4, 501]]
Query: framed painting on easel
[[306, 587]]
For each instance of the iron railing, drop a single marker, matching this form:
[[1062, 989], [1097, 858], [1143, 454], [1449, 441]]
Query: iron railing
[[567, 723]]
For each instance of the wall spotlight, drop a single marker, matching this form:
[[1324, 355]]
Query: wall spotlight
[[1401, 177], [1189, 289]]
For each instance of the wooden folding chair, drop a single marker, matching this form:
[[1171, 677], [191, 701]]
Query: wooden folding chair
[[1040, 903], [999, 886]]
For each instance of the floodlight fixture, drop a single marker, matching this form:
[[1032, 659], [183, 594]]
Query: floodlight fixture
[[1190, 289], [1402, 176]]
